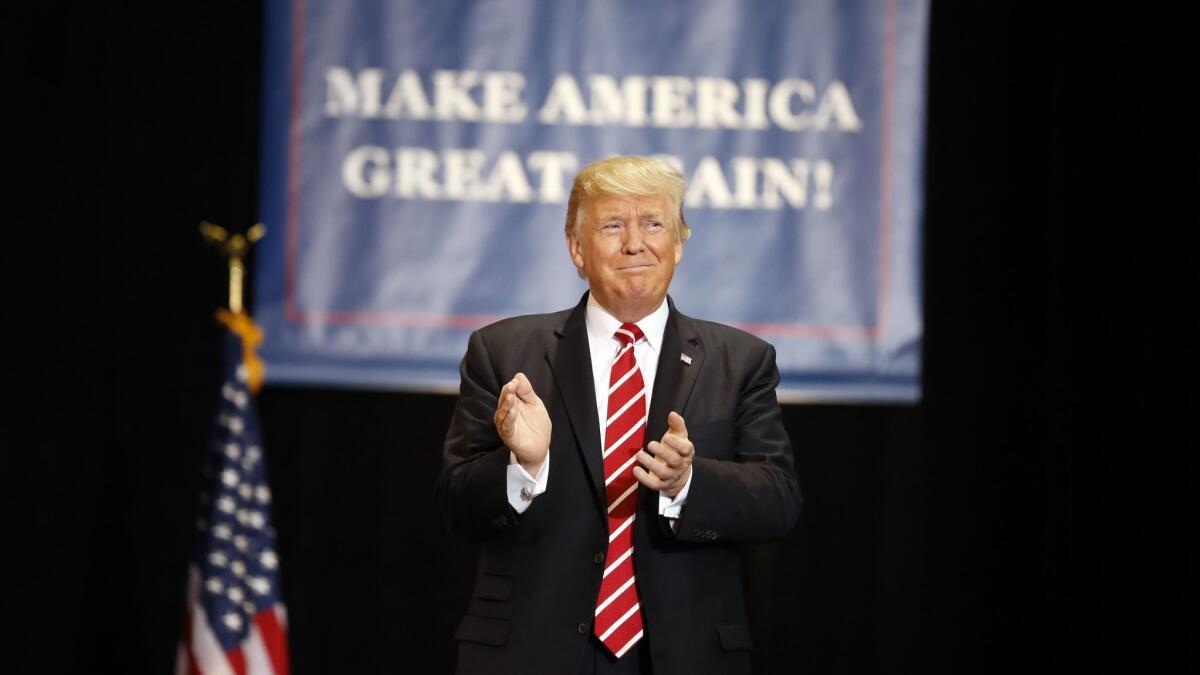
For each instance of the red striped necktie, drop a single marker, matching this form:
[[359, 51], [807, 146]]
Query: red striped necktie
[[618, 612]]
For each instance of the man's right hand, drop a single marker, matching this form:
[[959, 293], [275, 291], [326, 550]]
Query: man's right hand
[[523, 423]]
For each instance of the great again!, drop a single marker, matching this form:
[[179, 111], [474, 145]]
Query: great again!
[[469, 174]]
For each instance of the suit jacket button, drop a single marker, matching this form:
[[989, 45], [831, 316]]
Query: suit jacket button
[[598, 558], [582, 628]]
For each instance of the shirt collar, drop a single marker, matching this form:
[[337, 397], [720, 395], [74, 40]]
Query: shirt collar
[[601, 325]]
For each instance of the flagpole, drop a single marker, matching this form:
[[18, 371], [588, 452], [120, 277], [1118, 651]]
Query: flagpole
[[234, 247]]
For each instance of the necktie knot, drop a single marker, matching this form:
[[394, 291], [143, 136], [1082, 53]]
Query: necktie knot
[[627, 333]]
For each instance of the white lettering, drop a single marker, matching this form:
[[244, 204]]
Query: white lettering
[[407, 95], [756, 103], [415, 169], [347, 96], [663, 101], [613, 104], [502, 97], [365, 172], [470, 174], [779, 181], [460, 173], [669, 106], [508, 176], [716, 103], [565, 101], [452, 95], [553, 167], [708, 187], [780, 104], [836, 105], [823, 182], [745, 181]]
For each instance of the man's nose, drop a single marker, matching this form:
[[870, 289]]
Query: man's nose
[[634, 239]]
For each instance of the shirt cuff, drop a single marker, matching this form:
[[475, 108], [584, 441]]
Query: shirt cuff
[[522, 487], [671, 508]]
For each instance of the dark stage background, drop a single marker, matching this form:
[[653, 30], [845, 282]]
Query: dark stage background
[[1028, 515]]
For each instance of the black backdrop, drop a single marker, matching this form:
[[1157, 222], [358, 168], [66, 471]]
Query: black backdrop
[[1028, 514]]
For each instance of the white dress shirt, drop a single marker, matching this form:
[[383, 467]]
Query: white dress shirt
[[603, 345]]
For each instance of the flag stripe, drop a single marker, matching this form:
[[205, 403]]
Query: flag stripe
[[186, 659], [257, 660], [237, 659], [210, 658], [274, 637]]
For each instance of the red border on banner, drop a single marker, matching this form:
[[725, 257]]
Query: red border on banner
[[470, 321]]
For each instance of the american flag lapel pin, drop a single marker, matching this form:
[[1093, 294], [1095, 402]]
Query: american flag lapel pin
[[687, 360]]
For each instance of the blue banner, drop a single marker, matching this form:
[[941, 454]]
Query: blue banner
[[417, 158]]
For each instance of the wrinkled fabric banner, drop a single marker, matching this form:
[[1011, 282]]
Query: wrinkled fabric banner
[[417, 159]]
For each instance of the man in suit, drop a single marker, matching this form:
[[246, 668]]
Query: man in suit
[[611, 458]]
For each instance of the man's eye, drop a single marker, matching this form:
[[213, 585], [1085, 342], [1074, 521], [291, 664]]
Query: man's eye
[[611, 226], [652, 225]]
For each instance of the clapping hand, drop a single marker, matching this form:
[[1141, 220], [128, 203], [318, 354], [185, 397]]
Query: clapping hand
[[523, 423], [667, 470]]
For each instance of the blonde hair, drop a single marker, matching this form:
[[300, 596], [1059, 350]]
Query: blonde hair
[[628, 176]]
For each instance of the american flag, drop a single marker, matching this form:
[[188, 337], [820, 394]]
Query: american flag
[[235, 621]]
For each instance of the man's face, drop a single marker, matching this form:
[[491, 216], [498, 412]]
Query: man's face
[[627, 249]]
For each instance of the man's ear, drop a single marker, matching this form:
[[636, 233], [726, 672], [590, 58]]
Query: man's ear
[[574, 250]]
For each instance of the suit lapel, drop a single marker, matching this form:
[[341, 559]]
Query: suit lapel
[[570, 360], [676, 377]]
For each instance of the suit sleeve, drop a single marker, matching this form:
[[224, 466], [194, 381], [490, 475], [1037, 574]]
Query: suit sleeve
[[754, 496], [471, 487]]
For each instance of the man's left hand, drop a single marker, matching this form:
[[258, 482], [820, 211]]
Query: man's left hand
[[667, 470]]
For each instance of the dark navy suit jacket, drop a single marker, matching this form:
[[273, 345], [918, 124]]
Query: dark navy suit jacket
[[539, 572]]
